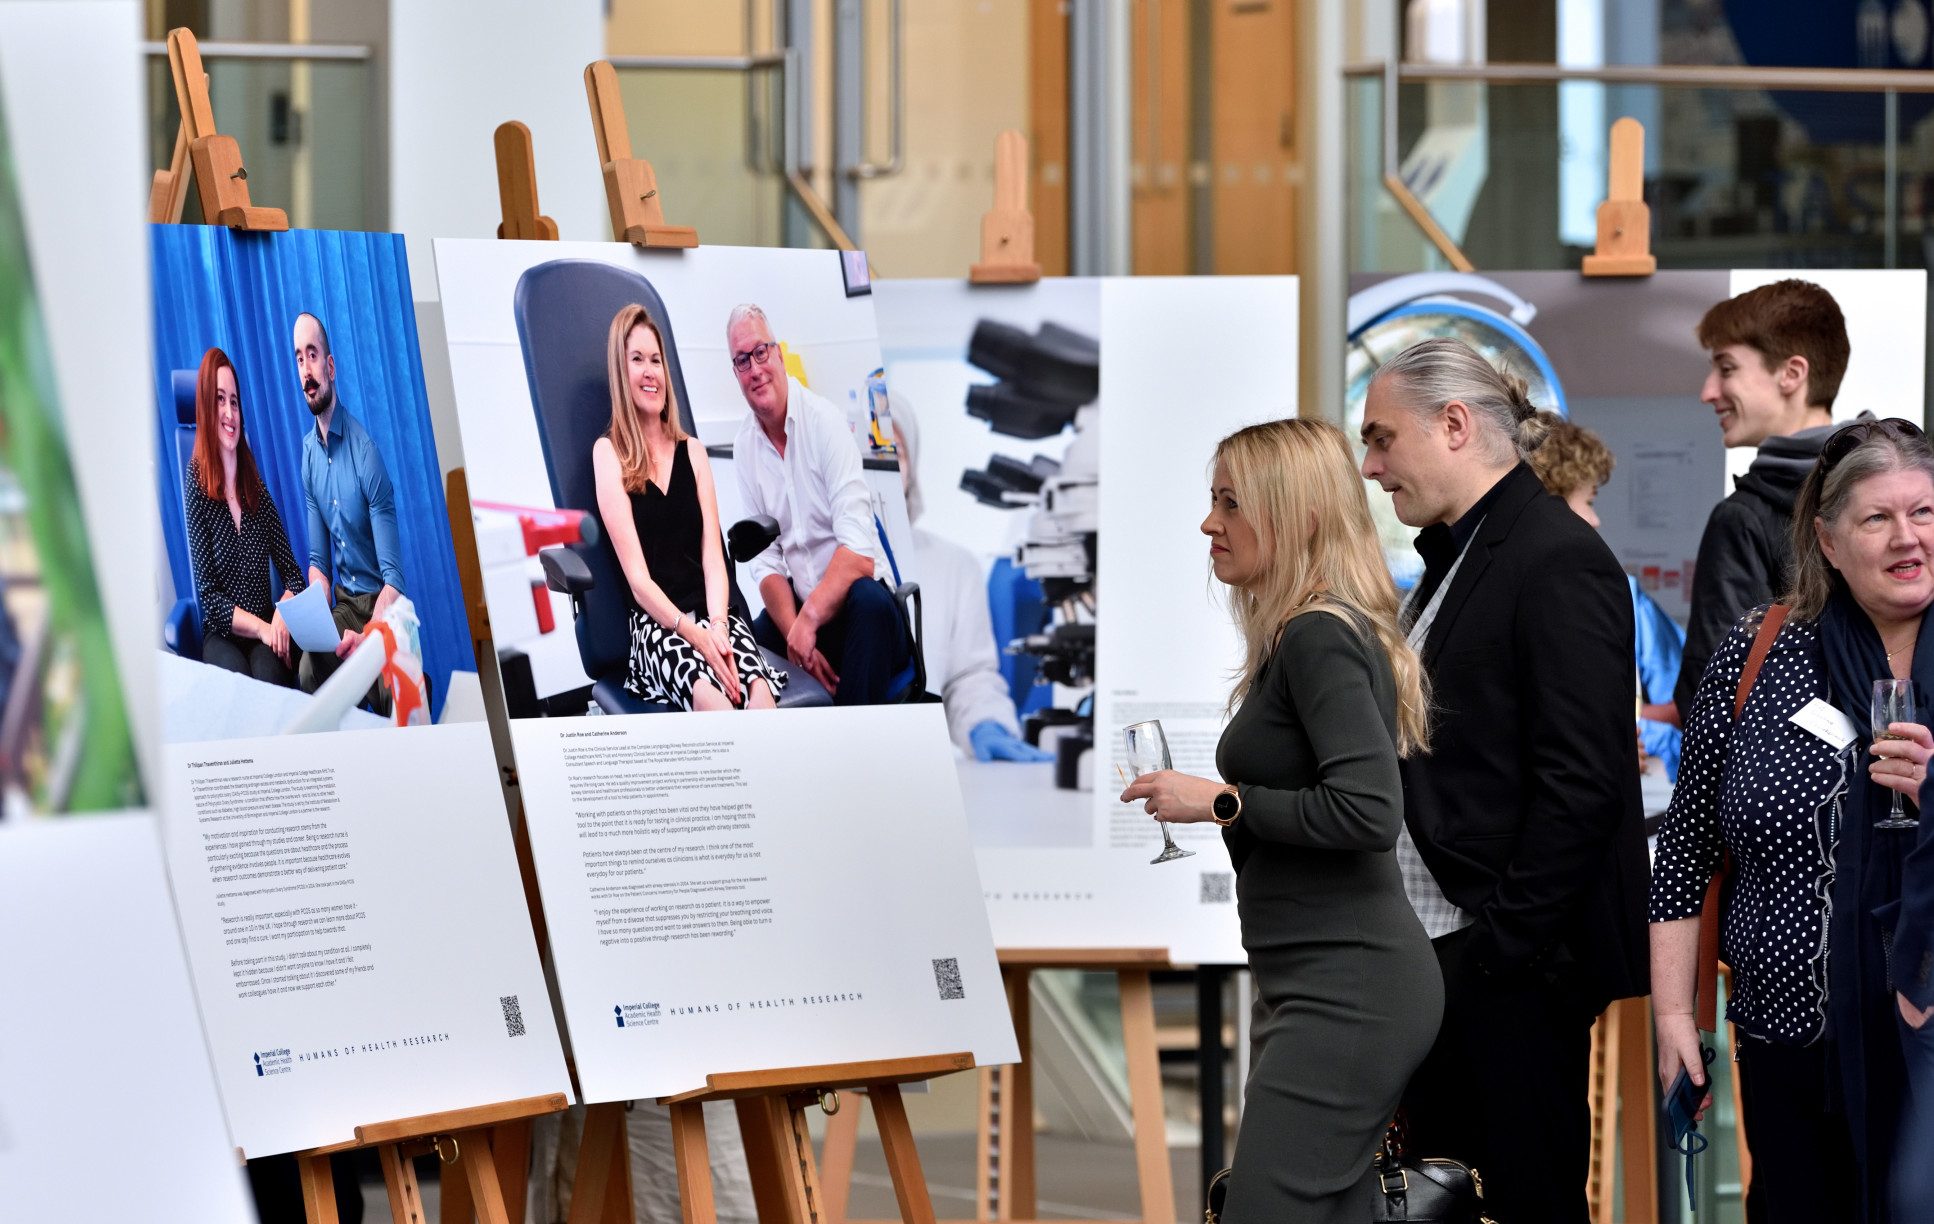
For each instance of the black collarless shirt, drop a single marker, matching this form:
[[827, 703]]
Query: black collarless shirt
[[1440, 545]]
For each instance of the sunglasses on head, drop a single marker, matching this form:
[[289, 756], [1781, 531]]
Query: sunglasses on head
[[1851, 436]]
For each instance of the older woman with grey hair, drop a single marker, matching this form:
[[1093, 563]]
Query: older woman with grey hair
[[1772, 780]]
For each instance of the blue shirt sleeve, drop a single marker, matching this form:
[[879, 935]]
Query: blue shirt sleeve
[[1660, 643], [318, 529], [382, 513]]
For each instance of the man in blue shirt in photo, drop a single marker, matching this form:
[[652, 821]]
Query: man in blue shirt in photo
[[352, 512]]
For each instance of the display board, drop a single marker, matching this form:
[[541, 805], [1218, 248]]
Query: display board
[[1122, 466], [96, 995], [1621, 356], [757, 888], [341, 855], [66, 741], [98, 1029]]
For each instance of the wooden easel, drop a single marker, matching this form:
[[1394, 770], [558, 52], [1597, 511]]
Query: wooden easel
[[778, 1147], [221, 181], [1005, 1179], [1007, 229], [1624, 1121], [489, 1146], [1624, 222], [637, 213], [517, 185], [168, 197], [485, 1149]]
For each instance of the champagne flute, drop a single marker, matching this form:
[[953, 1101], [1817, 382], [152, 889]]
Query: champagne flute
[[1148, 752], [1893, 703]]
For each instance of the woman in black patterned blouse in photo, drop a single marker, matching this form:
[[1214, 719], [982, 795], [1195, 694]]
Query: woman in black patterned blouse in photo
[[234, 534], [1792, 790]]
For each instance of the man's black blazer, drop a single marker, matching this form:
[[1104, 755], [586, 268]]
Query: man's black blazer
[[1527, 807]]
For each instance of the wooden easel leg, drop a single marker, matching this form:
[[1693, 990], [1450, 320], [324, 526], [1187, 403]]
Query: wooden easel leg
[[480, 1173], [1012, 1155], [597, 1150], [618, 1206], [1638, 1135], [454, 1203], [318, 1189], [836, 1165], [694, 1164], [510, 1143], [902, 1161], [793, 1116], [987, 1148], [399, 1178], [769, 1159], [1145, 1097], [1603, 1088]]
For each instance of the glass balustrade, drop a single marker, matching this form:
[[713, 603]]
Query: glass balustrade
[[1736, 176]]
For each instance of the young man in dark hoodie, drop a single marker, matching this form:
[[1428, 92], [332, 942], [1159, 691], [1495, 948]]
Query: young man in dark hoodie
[[1778, 354]]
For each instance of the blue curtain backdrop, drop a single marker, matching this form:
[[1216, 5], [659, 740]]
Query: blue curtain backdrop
[[241, 292]]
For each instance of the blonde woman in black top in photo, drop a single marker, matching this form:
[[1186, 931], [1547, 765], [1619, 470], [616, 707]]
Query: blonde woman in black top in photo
[[234, 533], [656, 498], [1328, 697]]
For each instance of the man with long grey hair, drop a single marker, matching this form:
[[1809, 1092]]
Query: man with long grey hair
[[1524, 847]]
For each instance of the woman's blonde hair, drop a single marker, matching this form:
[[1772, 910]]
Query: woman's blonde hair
[[1296, 483], [626, 434]]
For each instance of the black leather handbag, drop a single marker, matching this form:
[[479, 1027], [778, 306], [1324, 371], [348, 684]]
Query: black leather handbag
[[1218, 1192], [1424, 1191], [1412, 1191]]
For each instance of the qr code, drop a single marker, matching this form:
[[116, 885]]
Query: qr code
[[946, 975], [513, 1016], [1218, 887]]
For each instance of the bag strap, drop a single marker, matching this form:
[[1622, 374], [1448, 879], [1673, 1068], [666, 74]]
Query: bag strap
[[1769, 629], [1706, 1008]]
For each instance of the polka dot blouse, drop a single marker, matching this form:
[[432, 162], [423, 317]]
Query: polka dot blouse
[[232, 565], [1769, 793]]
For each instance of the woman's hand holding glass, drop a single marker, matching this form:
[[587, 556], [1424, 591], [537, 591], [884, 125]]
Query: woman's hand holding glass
[[1175, 797], [1901, 764]]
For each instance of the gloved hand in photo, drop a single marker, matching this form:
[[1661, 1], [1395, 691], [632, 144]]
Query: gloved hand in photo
[[994, 742]]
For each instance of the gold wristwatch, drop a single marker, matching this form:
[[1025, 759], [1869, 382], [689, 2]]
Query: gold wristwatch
[[1226, 806]]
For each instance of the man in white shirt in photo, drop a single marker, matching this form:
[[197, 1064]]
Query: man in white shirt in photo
[[797, 462]]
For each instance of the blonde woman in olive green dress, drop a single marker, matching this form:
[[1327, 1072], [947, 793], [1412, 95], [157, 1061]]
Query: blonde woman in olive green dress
[[1328, 697]]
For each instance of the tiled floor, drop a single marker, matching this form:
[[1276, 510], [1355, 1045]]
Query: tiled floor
[[1076, 1180]]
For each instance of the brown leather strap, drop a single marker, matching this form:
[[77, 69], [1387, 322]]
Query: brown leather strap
[[1756, 657], [1706, 1009]]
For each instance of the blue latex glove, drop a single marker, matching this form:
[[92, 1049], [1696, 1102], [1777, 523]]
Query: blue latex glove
[[993, 742]]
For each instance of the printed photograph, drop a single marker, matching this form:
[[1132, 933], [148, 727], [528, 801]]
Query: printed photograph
[[314, 583], [65, 742], [710, 515], [996, 398]]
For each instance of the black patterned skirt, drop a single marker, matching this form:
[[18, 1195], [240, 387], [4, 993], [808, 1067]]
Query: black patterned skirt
[[664, 666]]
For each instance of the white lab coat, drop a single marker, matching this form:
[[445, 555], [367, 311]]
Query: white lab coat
[[963, 663]]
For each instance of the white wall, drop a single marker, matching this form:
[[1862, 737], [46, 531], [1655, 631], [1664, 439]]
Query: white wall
[[457, 69]]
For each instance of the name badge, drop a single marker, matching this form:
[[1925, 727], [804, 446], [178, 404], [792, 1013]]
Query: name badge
[[1827, 722]]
